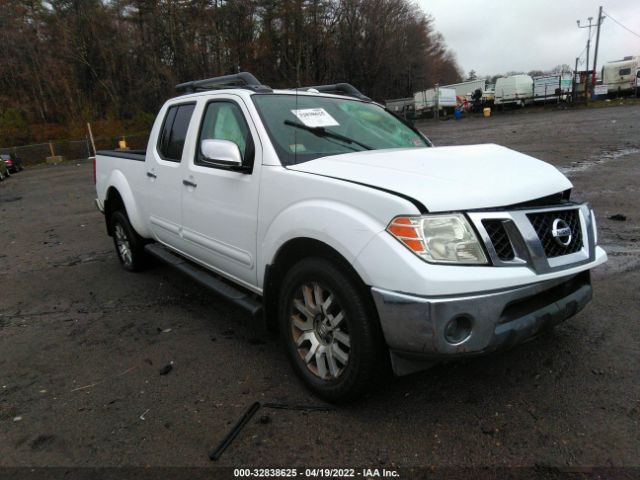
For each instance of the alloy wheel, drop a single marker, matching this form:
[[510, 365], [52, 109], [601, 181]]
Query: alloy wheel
[[122, 244], [320, 331]]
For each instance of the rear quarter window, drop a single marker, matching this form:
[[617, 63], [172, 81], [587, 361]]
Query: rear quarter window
[[174, 131]]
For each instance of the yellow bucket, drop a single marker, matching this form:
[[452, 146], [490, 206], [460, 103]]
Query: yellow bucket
[[486, 112]]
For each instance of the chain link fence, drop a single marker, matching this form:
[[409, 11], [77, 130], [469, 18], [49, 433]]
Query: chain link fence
[[72, 149]]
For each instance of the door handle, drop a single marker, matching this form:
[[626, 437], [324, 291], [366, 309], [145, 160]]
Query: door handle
[[189, 184], [151, 175]]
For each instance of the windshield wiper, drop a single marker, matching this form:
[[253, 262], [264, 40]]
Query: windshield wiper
[[323, 132]]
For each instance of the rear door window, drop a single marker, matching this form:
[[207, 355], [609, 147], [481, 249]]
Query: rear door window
[[174, 131]]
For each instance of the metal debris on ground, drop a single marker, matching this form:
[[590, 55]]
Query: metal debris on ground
[[306, 408], [233, 433], [167, 368], [264, 419]]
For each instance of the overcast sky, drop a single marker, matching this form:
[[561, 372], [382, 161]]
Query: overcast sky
[[496, 36]]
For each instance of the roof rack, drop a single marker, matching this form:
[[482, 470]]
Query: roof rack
[[237, 80], [338, 89]]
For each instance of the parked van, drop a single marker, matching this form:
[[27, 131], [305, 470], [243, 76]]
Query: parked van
[[620, 76], [514, 90]]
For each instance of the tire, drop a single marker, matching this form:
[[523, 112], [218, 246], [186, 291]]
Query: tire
[[341, 328], [128, 244]]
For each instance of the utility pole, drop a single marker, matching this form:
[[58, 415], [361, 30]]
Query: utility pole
[[573, 87], [595, 54], [586, 82]]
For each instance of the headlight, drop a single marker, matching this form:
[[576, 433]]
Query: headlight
[[443, 238]]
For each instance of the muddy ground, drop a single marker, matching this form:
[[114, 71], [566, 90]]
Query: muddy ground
[[82, 343]]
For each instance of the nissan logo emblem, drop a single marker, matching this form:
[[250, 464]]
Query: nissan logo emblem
[[561, 232]]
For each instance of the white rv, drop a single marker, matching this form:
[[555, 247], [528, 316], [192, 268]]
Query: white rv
[[620, 76], [514, 90]]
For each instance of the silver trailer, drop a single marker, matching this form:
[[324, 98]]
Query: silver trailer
[[552, 87], [404, 107]]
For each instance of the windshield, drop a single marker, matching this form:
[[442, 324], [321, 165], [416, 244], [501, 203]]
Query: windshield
[[304, 127]]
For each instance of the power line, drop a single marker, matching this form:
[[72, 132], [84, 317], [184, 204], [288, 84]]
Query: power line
[[626, 28], [585, 48]]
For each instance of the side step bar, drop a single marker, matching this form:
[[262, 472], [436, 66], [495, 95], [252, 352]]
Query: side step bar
[[210, 280]]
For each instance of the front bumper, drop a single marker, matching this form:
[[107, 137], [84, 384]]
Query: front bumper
[[417, 329]]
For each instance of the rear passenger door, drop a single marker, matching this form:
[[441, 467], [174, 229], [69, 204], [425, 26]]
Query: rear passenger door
[[164, 176], [219, 209]]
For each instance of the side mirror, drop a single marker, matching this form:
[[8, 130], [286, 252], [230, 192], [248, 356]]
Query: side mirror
[[221, 153]]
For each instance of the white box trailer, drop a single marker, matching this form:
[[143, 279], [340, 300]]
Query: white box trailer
[[552, 87], [515, 90], [425, 101], [620, 76], [466, 89]]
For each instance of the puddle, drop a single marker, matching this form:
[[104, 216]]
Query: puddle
[[599, 159], [620, 250], [622, 258]]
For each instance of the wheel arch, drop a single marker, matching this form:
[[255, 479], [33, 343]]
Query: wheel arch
[[119, 196], [113, 202], [288, 255]]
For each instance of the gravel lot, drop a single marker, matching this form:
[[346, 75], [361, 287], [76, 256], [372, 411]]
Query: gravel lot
[[82, 343]]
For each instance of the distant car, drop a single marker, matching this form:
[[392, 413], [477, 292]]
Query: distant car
[[4, 171], [13, 163]]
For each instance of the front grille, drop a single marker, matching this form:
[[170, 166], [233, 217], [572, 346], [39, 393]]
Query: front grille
[[543, 224], [499, 238]]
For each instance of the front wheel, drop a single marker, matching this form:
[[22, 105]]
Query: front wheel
[[329, 330], [129, 245]]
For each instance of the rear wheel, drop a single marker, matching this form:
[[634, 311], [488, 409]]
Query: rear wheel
[[129, 245], [329, 330]]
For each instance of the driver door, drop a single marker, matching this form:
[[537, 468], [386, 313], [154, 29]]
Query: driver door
[[219, 208]]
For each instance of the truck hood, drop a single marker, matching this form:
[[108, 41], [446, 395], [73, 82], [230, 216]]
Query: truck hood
[[447, 178]]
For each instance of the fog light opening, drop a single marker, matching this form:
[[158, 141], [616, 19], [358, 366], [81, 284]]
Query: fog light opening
[[458, 329]]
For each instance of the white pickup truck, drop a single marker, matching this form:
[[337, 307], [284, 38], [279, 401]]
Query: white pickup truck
[[344, 228]]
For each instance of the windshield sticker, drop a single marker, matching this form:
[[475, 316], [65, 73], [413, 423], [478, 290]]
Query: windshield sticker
[[315, 117]]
